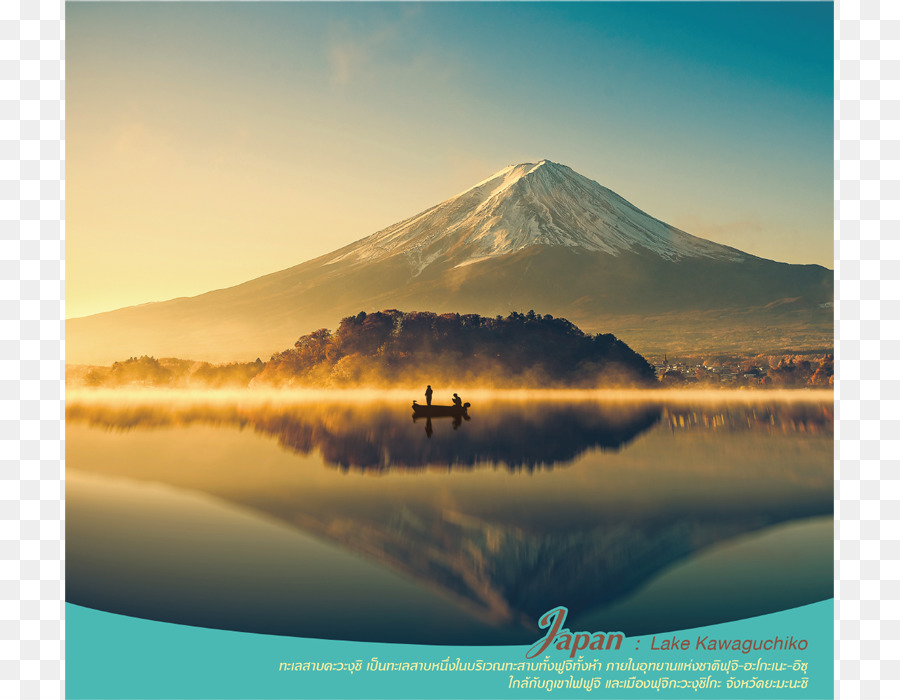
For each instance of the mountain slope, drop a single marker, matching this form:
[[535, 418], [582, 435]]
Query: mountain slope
[[525, 205], [535, 236]]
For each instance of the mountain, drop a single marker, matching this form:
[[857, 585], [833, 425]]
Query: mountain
[[532, 236]]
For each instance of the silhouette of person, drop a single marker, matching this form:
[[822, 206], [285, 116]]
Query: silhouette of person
[[457, 401], [428, 393]]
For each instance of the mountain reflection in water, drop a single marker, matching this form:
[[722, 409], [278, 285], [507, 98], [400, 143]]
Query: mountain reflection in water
[[475, 513]]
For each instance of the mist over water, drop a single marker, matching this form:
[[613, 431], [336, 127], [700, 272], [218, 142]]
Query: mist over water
[[583, 499]]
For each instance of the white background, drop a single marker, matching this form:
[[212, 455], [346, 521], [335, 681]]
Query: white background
[[867, 243]]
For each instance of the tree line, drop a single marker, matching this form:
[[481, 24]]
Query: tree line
[[396, 347]]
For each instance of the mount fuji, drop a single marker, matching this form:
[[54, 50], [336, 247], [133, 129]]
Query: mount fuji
[[532, 236]]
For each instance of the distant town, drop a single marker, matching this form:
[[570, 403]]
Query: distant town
[[734, 371]]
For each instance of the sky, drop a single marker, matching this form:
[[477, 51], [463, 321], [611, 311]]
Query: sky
[[211, 143]]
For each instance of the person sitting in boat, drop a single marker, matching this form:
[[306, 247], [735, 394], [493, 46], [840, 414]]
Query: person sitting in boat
[[457, 401], [428, 393]]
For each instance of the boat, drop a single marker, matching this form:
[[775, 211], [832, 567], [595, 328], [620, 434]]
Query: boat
[[435, 411]]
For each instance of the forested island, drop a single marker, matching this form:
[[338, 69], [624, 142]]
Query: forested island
[[393, 347]]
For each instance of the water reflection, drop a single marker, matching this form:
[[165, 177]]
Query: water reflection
[[811, 418], [455, 422], [379, 437], [516, 435], [645, 486]]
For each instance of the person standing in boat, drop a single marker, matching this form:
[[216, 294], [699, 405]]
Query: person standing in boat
[[428, 393]]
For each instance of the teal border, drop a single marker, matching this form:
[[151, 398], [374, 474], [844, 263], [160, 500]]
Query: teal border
[[115, 656]]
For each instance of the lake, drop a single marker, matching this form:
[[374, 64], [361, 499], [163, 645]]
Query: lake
[[337, 515]]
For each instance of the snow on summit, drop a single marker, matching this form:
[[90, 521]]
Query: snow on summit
[[529, 204]]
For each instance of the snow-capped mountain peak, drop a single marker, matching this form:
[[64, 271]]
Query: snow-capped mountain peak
[[529, 204]]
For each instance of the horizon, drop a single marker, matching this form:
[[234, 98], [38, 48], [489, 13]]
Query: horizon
[[210, 144]]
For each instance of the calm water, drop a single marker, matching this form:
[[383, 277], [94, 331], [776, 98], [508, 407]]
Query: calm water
[[350, 520]]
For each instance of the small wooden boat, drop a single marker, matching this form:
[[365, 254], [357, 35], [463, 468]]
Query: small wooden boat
[[435, 411]]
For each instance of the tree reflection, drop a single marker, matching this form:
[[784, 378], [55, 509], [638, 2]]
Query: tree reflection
[[515, 435], [377, 437]]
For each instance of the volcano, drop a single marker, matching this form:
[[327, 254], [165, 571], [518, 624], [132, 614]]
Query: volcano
[[532, 236]]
